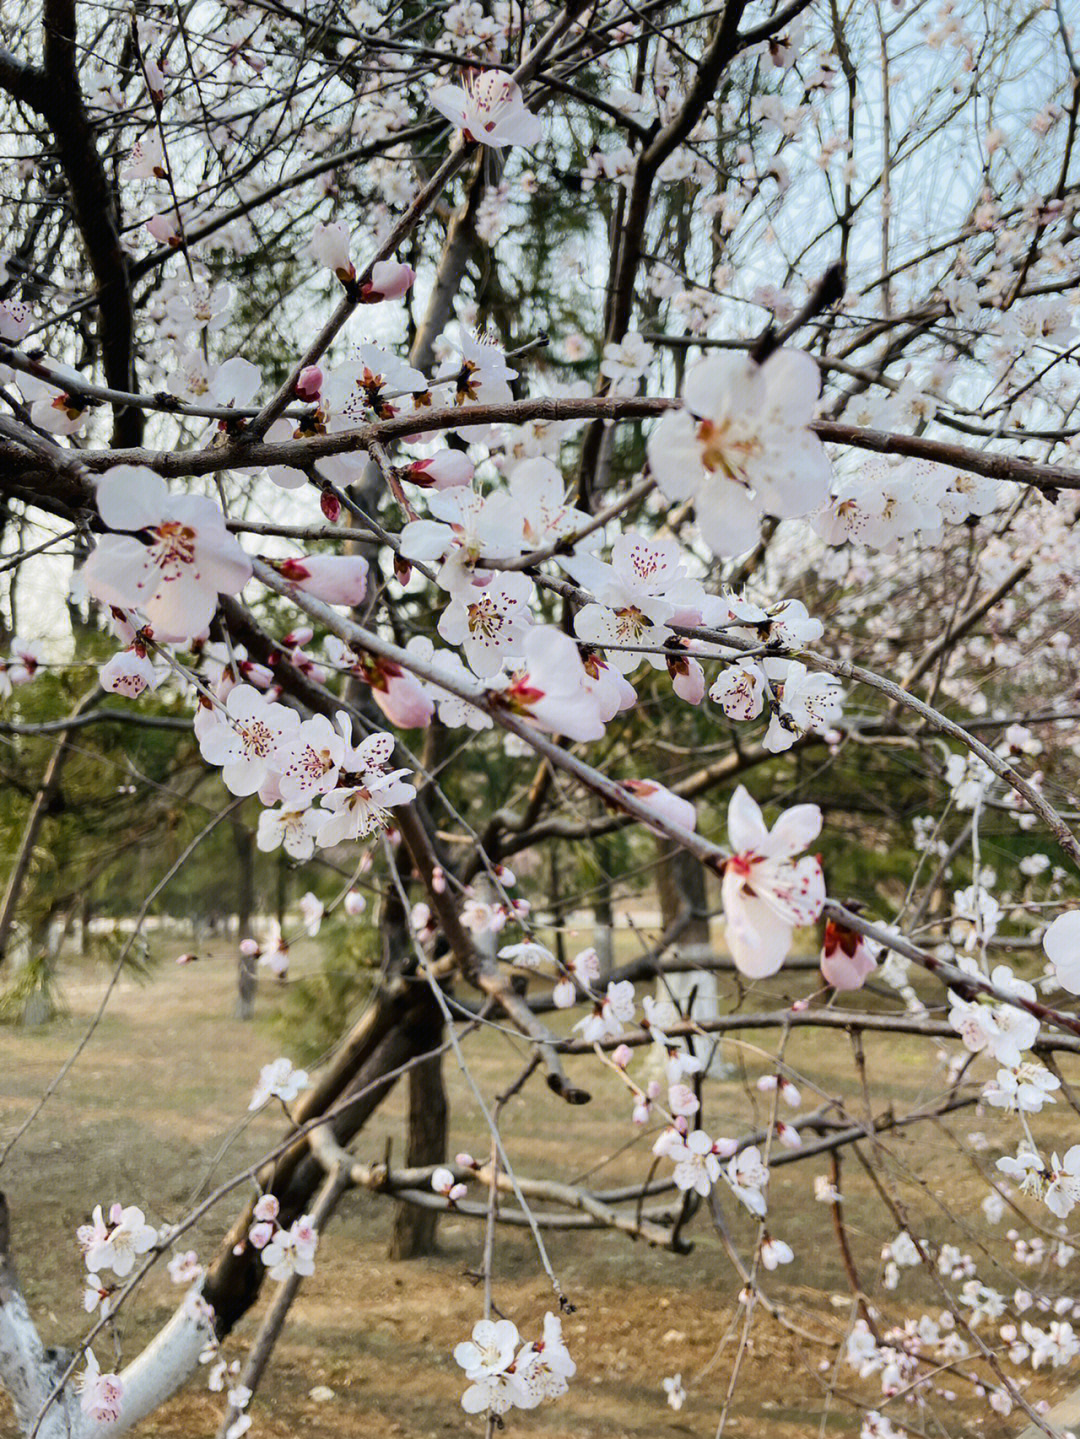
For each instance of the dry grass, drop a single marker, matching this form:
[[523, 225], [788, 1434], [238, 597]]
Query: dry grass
[[147, 1110]]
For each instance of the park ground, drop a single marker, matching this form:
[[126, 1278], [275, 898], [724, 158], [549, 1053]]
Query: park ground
[[150, 1113]]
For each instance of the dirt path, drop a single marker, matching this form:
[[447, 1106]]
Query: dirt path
[[144, 1118]]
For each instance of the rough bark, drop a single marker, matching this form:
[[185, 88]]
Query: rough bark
[[414, 1229]]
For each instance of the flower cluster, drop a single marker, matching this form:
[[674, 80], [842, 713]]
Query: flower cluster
[[505, 1373], [284, 1251]]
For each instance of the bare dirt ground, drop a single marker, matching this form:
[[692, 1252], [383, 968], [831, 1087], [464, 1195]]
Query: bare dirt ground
[[149, 1114]]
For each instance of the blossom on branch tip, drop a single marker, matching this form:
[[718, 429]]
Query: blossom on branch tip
[[175, 578], [278, 1080], [100, 1395], [248, 740], [329, 246], [671, 810], [389, 281], [848, 958], [767, 893], [333, 579], [742, 446], [443, 471], [488, 621], [296, 830], [490, 108], [129, 673]]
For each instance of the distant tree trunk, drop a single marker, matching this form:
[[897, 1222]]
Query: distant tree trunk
[[86, 914], [604, 915], [558, 914], [414, 1232], [246, 973], [414, 1229]]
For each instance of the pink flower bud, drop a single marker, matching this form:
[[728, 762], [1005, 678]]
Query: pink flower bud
[[846, 958], [297, 639], [459, 1191], [355, 903], [334, 579], [622, 1056], [444, 471], [404, 702], [389, 281], [267, 1207], [257, 675], [667, 807], [186, 958], [164, 228], [788, 1136], [438, 879], [330, 506], [689, 684], [466, 1161], [309, 383], [249, 947], [330, 247], [261, 1235]]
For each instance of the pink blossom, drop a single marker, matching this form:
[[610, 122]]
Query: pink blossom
[[389, 281], [15, 320], [847, 959], [399, 694], [766, 893], [443, 471], [687, 679], [129, 673], [101, 1395], [669, 809], [176, 578], [551, 691], [334, 579], [309, 383], [489, 108], [329, 245]]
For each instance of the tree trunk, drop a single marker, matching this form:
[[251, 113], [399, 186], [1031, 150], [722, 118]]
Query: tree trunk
[[414, 1230]]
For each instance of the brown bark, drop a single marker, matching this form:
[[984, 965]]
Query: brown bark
[[402, 1023], [414, 1229]]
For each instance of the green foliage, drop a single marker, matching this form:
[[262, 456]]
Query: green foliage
[[319, 1007]]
